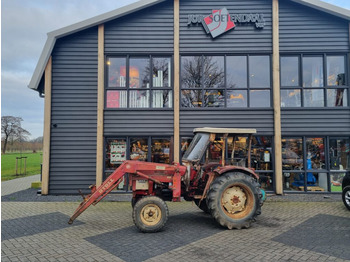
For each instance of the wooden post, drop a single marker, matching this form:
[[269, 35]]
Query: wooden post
[[47, 129], [276, 97], [100, 106], [16, 166], [177, 80]]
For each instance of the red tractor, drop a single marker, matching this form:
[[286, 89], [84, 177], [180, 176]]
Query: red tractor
[[230, 193]]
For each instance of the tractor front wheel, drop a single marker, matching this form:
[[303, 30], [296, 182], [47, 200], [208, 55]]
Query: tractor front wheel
[[150, 214], [234, 200]]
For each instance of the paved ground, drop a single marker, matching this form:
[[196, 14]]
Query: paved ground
[[291, 228]]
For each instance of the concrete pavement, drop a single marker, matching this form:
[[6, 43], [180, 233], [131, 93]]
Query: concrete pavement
[[290, 228]]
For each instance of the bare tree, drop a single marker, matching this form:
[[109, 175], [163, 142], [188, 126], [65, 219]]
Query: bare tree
[[11, 128]]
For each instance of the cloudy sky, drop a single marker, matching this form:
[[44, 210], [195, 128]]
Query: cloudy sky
[[24, 25]]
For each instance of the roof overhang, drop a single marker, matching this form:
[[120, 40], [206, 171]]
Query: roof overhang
[[218, 130], [74, 28], [326, 7]]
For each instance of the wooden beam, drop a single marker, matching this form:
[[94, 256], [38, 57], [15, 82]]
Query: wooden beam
[[177, 80], [100, 106], [45, 172], [276, 97]]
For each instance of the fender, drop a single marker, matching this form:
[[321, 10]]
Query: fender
[[223, 169]]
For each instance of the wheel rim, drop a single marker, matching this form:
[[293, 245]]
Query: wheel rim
[[237, 201], [347, 197], [150, 214]]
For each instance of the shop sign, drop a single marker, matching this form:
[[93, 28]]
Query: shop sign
[[220, 21]]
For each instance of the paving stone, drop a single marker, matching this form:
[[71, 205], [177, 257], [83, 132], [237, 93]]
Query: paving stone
[[106, 232]]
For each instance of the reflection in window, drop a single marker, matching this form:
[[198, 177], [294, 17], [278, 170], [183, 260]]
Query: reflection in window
[[214, 72], [237, 98], [191, 98], [203, 74], [138, 149], [313, 98], [139, 99], [236, 70], [116, 99], [115, 153], [161, 72], [237, 150], [259, 98], [290, 98], [191, 71], [261, 153], [214, 98], [290, 71], [293, 181], [335, 70], [313, 71], [214, 152], [131, 87], [161, 151], [292, 154], [313, 181], [162, 99], [339, 153], [266, 181], [116, 72], [337, 97], [336, 181], [139, 73], [259, 71], [185, 142], [315, 153]]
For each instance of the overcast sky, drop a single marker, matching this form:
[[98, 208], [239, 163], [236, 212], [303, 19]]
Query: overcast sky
[[24, 25]]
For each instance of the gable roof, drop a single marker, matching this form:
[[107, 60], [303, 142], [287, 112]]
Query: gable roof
[[74, 28], [123, 11]]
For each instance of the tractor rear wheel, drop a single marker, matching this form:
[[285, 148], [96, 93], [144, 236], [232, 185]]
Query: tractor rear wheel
[[150, 214], [202, 205], [234, 200]]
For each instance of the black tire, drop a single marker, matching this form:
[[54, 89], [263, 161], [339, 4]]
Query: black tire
[[234, 200], [133, 201], [203, 205], [346, 196], [150, 214]]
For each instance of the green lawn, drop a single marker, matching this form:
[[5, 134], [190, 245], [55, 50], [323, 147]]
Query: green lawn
[[8, 165]]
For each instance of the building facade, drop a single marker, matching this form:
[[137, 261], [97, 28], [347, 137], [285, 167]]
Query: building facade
[[135, 82]]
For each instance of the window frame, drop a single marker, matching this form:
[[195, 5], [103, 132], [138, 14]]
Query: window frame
[[327, 170], [225, 88], [325, 86], [127, 88]]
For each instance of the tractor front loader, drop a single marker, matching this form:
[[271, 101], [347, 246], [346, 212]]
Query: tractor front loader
[[230, 193]]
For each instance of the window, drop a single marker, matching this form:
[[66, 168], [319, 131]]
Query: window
[[314, 81], [225, 81], [237, 154], [315, 164], [120, 149], [139, 82]]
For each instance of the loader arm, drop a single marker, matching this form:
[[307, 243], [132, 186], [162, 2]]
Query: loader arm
[[158, 173]]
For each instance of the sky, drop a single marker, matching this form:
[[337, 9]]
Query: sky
[[24, 28]]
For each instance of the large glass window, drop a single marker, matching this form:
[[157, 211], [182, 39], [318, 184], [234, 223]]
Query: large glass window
[[120, 149], [320, 169], [222, 81], [259, 71], [289, 71], [314, 81], [130, 86], [292, 154], [313, 71], [160, 151]]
